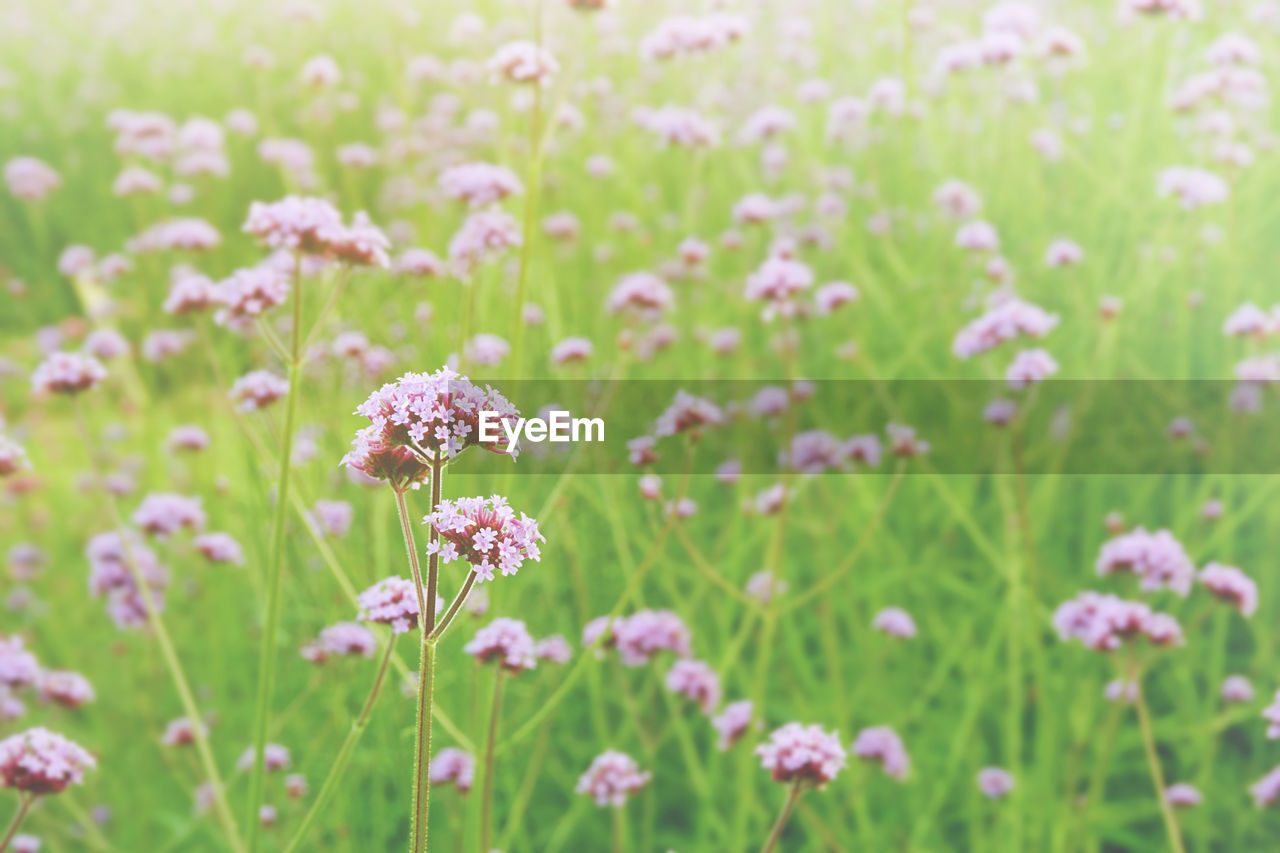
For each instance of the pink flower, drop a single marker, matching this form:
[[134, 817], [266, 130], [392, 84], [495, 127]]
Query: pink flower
[[571, 349], [978, 236], [297, 223], [295, 785], [881, 743], [1236, 688], [1271, 714], [185, 234], [110, 575], [257, 389], [275, 757], [902, 442], [995, 782], [522, 62], [23, 843], [1030, 366], [679, 126], [1158, 558], [697, 681], [1102, 622], [454, 765], [777, 280], [642, 292], [191, 292], [162, 515], [611, 778], [1193, 187], [219, 548], [18, 667], [553, 649], [1231, 585], [343, 638], [106, 344], [249, 293], [1267, 789], [1182, 796], [420, 262], [1063, 253], [13, 457], [30, 179], [69, 689], [333, 517], [39, 761], [764, 586], [505, 640], [1121, 690], [486, 350], [67, 373], [644, 633], [805, 754], [895, 621], [391, 601], [957, 199], [479, 184], [687, 413], [485, 533], [1003, 322], [732, 722], [321, 72], [181, 732], [484, 234], [831, 296]]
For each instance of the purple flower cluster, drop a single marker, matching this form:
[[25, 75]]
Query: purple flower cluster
[[1158, 558], [1101, 622], [506, 641], [611, 778], [485, 533], [39, 761], [805, 754]]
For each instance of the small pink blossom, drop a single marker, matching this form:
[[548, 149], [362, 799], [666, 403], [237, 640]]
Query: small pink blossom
[[804, 754], [611, 778]]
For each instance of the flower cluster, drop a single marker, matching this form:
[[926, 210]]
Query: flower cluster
[[1157, 558], [391, 601], [245, 294], [732, 722], [313, 226], [1003, 322], [1231, 585], [39, 761], [344, 638], [611, 778], [13, 457], [162, 514], [110, 556], [18, 667], [695, 680], [1101, 622], [454, 765], [506, 641], [881, 743], [485, 533], [67, 373], [806, 754], [436, 414], [257, 389]]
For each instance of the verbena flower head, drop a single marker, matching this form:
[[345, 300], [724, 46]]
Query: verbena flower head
[[344, 638], [506, 641], [485, 533], [612, 777], [13, 457], [895, 621], [257, 389], [39, 761], [67, 373], [732, 722], [30, 179], [163, 514], [644, 633], [1103, 622], [454, 765], [1267, 789], [1231, 585], [1183, 796], [436, 414], [522, 62], [479, 184], [554, 649], [18, 667], [995, 782], [807, 754], [219, 548], [297, 223], [881, 743], [181, 732], [274, 757], [110, 576], [1003, 322], [687, 413], [66, 688], [1157, 558], [248, 293], [1236, 688], [778, 280], [697, 681], [392, 601]]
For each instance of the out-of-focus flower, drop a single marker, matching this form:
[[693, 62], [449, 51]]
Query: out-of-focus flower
[[612, 777], [392, 601], [881, 743], [804, 754], [506, 641], [67, 373], [39, 761], [995, 782], [454, 765]]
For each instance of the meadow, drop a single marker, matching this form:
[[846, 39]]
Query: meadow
[[934, 347]]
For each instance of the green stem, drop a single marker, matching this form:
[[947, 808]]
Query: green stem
[[617, 828], [486, 793], [266, 653], [167, 650], [458, 601], [1153, 764], [24, 804], [344, 754], [426, 661], [781, 822]]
